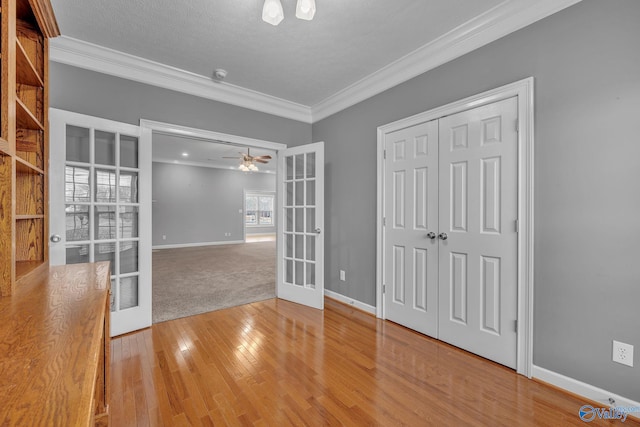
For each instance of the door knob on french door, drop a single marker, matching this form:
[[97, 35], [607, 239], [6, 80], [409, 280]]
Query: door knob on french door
[[55, 238], [317, 231], [431, 235], [443, 236]]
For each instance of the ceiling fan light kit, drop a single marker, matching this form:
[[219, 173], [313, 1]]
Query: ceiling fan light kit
[[248, 162], [273, 13]]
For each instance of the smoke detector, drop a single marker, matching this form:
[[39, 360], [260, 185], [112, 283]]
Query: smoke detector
[[219, 74]]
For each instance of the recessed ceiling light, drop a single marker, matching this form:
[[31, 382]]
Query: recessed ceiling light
[[185, 154]]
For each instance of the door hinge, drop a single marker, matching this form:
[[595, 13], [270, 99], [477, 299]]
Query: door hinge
[[517, 221], [515, 326], [384, 154], [384, 289], [517, 126], [384, 222]]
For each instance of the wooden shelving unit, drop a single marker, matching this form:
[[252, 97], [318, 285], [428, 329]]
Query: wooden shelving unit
[[26, 27]]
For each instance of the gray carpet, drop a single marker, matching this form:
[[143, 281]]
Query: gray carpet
[[190, 281]]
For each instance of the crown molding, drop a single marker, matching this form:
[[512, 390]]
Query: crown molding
[[505, 18], [81, 54]]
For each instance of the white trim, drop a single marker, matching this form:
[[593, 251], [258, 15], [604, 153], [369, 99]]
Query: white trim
[[81, 54], [198, 244], [350, 301], [507, 17], [189, 132], [523, 89], [588, 391]]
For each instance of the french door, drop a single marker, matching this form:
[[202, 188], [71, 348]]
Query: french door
[[300, 225], [97, 198], [451, 265]]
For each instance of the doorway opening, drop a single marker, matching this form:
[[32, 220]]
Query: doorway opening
[[202, 259]]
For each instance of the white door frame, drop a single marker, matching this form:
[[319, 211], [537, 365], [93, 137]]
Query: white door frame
[[147, 127], [523, 89]]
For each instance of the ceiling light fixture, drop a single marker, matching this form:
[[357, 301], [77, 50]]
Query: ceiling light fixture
[[305, 9], [273, 14]]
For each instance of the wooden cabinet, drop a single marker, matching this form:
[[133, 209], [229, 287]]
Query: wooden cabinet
[[55, 348], [54, 321], [26, 27]]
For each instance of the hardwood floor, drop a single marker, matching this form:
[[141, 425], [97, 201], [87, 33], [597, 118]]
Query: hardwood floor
[[275, 363]]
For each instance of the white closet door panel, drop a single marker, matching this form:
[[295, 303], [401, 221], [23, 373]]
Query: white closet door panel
[[411, 213], [478, 210]]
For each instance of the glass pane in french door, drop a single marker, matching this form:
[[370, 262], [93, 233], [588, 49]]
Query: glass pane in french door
[[102, 206], [299, 218]]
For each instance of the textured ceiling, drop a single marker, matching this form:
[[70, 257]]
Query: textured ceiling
[[300, 61]]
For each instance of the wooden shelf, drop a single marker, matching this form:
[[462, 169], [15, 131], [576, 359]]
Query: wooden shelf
[[25, 217], [23, 166], [25, 119], [25, 71], [24, 211], [4, 146], [25, 267]]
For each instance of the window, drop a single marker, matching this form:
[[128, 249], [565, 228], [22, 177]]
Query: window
[[259, 209]]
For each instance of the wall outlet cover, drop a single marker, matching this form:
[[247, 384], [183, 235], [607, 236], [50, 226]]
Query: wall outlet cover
[[622, 353], [343, 275]]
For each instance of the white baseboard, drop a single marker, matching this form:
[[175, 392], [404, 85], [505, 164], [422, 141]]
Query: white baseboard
[[350, 301], [583, 389], [193, 245]]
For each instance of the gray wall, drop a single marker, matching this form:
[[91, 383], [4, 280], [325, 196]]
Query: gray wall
[[586, 65], [198, 204], [113, 98]]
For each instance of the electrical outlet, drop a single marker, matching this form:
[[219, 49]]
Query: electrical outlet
[[622, 353], [343, 275]]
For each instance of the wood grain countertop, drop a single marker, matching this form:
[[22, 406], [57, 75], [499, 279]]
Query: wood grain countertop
[[50, 343]]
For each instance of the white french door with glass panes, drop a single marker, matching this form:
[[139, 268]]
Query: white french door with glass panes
[[300, 224], [96, 206]]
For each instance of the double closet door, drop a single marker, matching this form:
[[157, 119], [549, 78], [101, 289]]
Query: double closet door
[[451, 229]]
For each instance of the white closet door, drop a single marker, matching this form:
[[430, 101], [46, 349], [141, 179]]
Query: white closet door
[[411, 207], [478, 240]]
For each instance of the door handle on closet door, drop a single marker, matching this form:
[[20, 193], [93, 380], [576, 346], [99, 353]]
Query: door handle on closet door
[[443, 236], [431, 235]]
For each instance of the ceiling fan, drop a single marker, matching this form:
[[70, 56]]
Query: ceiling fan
[[248, 162]]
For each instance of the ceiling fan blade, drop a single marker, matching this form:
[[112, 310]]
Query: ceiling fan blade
[[267, 157], [260, 160], [230, 157]]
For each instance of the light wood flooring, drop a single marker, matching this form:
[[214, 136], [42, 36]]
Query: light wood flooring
[[275, 363]]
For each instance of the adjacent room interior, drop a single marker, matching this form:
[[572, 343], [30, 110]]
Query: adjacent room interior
[[214, 225]]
